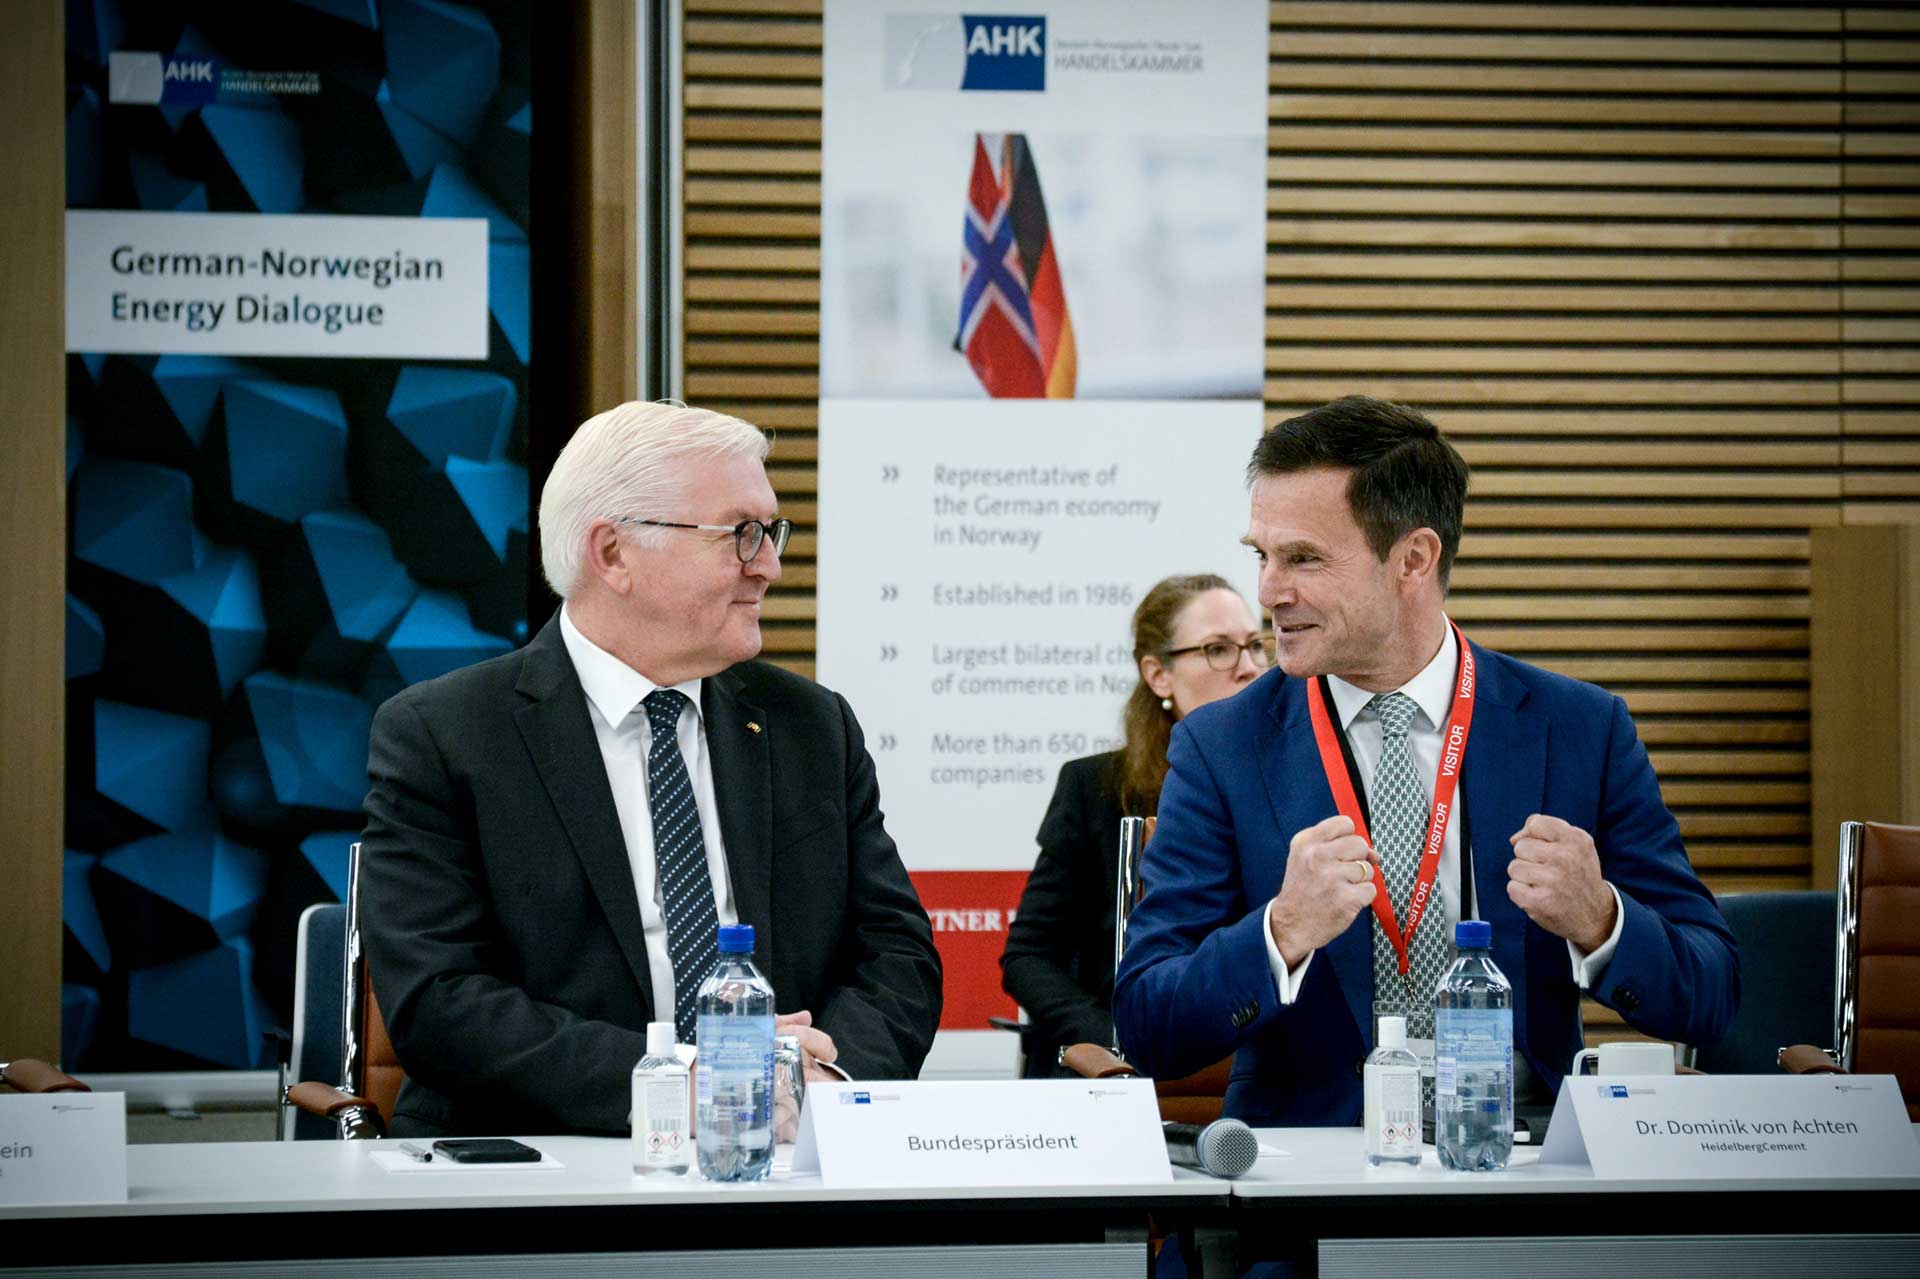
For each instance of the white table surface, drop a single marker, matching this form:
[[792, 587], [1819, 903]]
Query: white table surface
[[340, 1176], [1332, 1161]]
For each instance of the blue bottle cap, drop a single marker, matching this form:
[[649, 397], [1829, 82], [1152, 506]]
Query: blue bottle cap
[[736, 939], [1476, 934]]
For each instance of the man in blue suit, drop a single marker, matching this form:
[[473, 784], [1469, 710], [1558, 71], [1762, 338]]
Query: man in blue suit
[[1263, 932]]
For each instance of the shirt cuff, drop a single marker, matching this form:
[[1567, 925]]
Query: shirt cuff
[[1587, 968], [1285, 980]]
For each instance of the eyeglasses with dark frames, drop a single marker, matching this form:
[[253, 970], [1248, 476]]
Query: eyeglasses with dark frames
[[1224, 655], [748, 535]]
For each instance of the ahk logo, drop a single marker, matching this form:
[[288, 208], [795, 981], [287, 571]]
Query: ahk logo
[[155, 79], [1005, 53], [191, 82]]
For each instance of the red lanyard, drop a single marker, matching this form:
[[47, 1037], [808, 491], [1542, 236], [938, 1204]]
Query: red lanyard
[[1453, 748]]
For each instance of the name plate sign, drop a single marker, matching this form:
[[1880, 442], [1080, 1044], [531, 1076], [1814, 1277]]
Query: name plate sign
[[930, 1134], [63, 1148], [1715, 1127]]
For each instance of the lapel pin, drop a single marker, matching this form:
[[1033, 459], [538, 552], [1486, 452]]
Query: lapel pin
[[752, 727]]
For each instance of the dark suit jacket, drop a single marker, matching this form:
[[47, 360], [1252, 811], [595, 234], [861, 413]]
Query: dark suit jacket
[[1245, 775], [1059, 958], [501, 921]]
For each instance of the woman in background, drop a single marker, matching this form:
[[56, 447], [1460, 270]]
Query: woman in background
[[1195, 641]]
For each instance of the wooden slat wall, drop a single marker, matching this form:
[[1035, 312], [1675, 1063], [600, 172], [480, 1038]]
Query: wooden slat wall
[[1655, 268]]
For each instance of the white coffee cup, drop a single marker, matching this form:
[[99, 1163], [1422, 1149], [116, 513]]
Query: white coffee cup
[[1627, 1058]]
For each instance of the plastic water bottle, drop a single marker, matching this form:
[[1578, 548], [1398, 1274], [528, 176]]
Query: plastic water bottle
[[1473, 1029], [735, 1034], [1390, 1085], [662, 1108]]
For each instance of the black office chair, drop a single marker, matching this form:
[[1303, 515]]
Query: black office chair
[[1786, 980]]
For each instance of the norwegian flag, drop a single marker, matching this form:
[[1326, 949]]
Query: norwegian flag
[[1014, 326]]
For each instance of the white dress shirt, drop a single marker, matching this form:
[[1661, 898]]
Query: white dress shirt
[[614, 695], [1431, 690]]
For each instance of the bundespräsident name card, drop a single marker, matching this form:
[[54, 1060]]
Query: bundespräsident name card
[[932, 1134]]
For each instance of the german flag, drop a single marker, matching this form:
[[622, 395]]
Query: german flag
[[1014, 326]]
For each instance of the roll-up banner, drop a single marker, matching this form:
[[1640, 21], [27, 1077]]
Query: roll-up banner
[[298, 309], [1041, 340]]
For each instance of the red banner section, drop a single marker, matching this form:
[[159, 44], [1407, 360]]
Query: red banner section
[[970, 910]]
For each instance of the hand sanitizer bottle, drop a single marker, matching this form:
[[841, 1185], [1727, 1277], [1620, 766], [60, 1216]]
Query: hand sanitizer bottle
[[662, 1107], [1390, 1085]]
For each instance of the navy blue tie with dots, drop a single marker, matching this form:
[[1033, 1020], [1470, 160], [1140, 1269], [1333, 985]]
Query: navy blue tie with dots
[[680, 861]]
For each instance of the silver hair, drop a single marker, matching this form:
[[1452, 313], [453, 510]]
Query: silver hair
[[624, 462]]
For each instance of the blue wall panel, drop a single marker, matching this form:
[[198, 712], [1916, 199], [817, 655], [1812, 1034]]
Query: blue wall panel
[[262, 549]]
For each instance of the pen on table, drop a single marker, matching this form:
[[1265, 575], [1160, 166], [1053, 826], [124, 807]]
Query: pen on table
[[416, 1152]]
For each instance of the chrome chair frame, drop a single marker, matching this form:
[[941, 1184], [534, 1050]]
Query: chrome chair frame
[[353, 974], [1846, 959], [1127, 887], [356, 1118]]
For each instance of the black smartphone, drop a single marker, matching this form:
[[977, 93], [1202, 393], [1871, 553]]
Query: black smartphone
[[486, 1150]]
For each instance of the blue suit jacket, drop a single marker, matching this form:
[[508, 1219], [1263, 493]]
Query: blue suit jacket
[[1245, 775]]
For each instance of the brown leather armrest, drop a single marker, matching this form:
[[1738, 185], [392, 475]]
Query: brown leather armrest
[[31, 1075], [1805, 1059], [1091, 1061], [324, 1100]]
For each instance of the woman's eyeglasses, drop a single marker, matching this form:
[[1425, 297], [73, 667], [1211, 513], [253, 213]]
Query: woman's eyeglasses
[[1224, 655]]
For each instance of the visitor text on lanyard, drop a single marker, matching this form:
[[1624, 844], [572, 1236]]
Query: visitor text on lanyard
[[1453, 748]]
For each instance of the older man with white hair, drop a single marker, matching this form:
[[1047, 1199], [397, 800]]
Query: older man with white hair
[[554, 836]]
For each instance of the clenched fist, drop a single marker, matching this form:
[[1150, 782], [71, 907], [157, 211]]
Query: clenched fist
[[1331, 877], [814, 1042], [1555, 878]]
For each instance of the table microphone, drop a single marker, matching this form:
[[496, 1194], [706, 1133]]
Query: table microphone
[[1225, 1147]]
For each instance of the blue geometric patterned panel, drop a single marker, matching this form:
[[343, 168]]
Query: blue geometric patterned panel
[[150, 762], [444, 413], [135, 520], [200, 870], [262, 549], [86, 640], [327, 853], [335, 594], [203, 1007], [361, 13], [261, 154], [79, 1019], [277, 452], [221, 604], [438, 635], [314, 738], [443, 61], [79, 911]]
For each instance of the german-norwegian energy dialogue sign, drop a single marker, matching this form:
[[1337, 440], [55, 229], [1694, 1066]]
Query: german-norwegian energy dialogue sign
[[260, 284], [1041, 344]]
